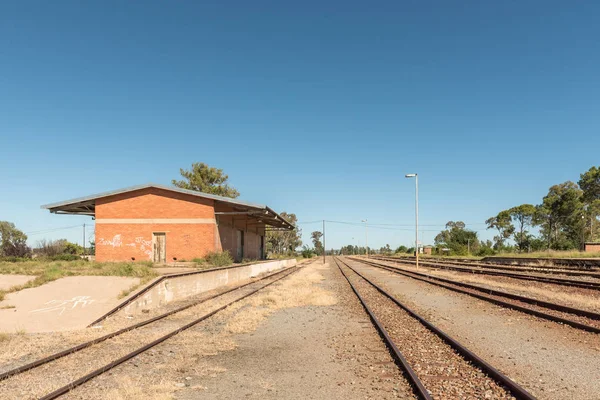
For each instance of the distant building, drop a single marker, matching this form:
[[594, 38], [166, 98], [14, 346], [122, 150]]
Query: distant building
[[165, 224], [592, 247], [427, 250]]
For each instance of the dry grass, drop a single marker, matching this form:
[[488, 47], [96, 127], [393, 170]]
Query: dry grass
[[20, 344], [551, 293], [297, 291], [128, 388]]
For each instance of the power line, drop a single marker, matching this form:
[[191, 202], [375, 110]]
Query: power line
[[40, 232]]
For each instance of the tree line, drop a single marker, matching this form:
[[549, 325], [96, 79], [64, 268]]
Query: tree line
[[566, 218]]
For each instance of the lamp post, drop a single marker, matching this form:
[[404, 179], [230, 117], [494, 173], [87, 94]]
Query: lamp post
[[366, 235], [416, 176]]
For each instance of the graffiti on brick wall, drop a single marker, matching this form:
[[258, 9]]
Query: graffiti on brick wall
[[115, 242], [145, 246]]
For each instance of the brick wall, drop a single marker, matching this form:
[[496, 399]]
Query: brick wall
[[592, 247], [127, 240], [228, 227]]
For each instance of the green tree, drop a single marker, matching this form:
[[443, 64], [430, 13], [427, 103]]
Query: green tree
[[503, 224], [285, 241], [523, 217], [401, 249], [206, 179], [316, 239], [13, 242], [589, 182], [458, 239], [561, 216]]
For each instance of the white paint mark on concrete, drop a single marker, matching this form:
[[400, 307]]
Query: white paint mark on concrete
[[62, 305]]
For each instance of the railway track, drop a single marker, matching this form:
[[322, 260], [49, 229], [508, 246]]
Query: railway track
[[592, 285], [580, 319], [436, 365], [559, 270], [41, 370]]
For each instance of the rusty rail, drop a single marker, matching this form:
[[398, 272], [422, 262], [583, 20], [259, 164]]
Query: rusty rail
[[85, 345], [445, 283], [412, 376], [519, 392], [67, 388]]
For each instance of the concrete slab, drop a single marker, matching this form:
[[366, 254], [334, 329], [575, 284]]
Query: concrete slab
[[65, 304], [8, 281]]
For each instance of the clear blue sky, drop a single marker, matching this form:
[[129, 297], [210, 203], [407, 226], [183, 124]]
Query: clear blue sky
[[317, 108]]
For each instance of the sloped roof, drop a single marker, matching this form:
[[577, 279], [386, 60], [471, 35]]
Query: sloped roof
[[86, 205]]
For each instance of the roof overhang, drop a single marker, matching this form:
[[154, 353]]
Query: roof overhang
[[259, 213]]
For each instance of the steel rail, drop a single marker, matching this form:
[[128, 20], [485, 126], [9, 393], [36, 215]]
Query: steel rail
[[85, 345], [70, 386], [515, 274], [432, 280], [519, 392], [524, 268], [414, 380], [554, 281]]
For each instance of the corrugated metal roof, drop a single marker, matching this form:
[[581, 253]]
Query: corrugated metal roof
[[228, 200]]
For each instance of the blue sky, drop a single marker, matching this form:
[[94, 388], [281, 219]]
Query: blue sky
[[317, 108]]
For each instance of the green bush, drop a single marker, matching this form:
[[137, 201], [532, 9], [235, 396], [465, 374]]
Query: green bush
[[219, 259], [65, 257], [14, 259], [307, 253]]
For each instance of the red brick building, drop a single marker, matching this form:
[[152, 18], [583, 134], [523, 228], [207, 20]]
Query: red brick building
[[165, 224], [592, 247]]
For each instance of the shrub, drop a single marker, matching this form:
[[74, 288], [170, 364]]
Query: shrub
[[307, 253], [219, 259], [66, 257]]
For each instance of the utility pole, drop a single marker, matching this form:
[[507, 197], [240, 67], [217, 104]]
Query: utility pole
[[367, 235], [83, 239], [323, 241], [416, 176], [468, 247]]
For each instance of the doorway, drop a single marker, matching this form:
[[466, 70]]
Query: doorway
[[240, 246], [261, 250], [159, 241]]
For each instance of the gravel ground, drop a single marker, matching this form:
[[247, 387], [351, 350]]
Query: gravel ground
[[587, 299], [444, 373], [302, 338], [46, 378], [535, 307], [550, 360]]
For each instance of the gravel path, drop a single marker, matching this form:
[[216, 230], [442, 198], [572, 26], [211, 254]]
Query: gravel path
[[551, 361], [444, 373]]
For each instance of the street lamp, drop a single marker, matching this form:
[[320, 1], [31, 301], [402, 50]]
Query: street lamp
[[416, 176], [366, 235]]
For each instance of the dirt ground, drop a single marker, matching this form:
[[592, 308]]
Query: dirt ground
[[305, 337], [550, 360], [64, 304], [8, 281]]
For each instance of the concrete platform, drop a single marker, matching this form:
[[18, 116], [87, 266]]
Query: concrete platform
[[65, 304], [8, 281]]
